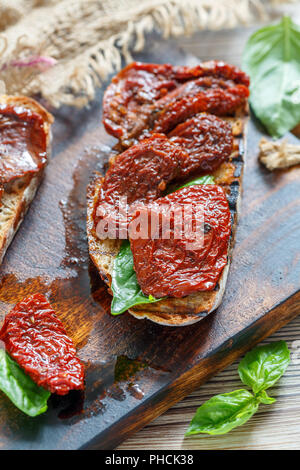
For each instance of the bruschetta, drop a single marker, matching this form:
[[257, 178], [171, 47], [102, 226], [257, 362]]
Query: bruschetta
[[202, 111], [25, 136]]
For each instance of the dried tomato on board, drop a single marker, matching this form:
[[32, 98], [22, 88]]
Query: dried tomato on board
[[169, 260], [37, 340]]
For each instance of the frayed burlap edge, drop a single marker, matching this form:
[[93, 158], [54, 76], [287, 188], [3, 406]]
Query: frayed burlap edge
[[63, 50]]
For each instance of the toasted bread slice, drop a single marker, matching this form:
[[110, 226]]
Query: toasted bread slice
[[192, 308], [17, 195]]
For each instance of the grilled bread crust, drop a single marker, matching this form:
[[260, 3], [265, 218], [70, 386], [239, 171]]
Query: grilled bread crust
[[192, 308], [19, 193]]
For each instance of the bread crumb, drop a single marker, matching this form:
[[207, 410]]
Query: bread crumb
[[280, 154]]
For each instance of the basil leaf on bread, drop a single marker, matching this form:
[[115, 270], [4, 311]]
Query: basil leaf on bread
[[124, 285]]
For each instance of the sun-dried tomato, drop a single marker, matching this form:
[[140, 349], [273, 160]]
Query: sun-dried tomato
[[130, 101], [208, 141], [206, 94], [23, 143], [127, 100], [168, 259], [211, 68], [37, 340], [140, 174]]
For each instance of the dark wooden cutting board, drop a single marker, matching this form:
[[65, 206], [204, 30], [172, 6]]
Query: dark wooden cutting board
[[136, 369]]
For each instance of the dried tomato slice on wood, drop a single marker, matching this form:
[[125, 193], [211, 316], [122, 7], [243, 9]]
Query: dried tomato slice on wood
[[37, 340], [23, 142], [168, 259], [207, 139], [140, 174], [130, 101]]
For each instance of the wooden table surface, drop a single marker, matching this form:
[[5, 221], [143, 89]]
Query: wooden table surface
[[274, 426]]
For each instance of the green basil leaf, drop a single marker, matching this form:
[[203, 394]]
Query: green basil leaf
[[124, 285], [205, 179], [272, 59], [264, 365], [18, 386], [222, 413], [264, 398], [126, 290]]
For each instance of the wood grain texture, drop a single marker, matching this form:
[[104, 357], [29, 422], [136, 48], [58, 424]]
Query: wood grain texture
[[135, 369]]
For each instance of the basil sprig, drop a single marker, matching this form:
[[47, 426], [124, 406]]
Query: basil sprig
[[125, 288], [260, 369], [20, 389], [272, 59]]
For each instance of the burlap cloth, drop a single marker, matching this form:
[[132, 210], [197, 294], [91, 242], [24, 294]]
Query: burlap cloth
[[64, 49]]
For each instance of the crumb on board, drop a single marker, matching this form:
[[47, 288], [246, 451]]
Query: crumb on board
[[278, 154]]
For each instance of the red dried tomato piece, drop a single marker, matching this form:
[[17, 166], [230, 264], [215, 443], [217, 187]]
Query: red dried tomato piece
[[207, 139], [127, 99], [140, 174], [212, 68], [206, 94], [130, 100], [37, 340], [170, 260], [23, 142]]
